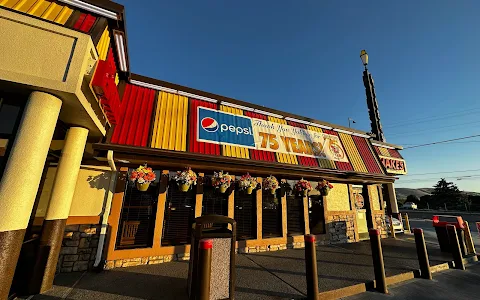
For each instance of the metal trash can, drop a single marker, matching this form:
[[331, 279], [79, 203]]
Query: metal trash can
[[440, 223], [222, 281]]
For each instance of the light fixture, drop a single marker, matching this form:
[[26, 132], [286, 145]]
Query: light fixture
[[92, 8], [122, 56], [267, 113], [123, 161], [152, 86], [321, 126], [197, 97], [364, 57], [383, 146], [236, 106], [297, 120]]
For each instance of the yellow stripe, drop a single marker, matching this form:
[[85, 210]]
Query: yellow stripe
[[52, 12], [39, 8], [184, 125], [161, 124], [63, 15], [282, 157], [155, 124], [22, 5], [167, 121], [354, 155], [178, 132], [117, 79], [324, 163], [384, 151], [173, 123], [103, 45], [9, 3]]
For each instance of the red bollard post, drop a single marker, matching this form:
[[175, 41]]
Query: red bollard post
[[378, 265], [204, 268], [311, 267], [425, 271]]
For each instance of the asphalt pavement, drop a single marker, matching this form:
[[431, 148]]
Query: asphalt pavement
[[449, 284], [431, 236]]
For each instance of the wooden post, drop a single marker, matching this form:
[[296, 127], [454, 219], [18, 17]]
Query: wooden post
[[392, 230], [407, 224], [469, 239], [422, 254], [378, 265], [311, 267], [455, 247]]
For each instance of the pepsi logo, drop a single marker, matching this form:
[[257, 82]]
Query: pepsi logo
[[209, 124]]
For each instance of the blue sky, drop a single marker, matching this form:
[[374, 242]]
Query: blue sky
[[303, 57]]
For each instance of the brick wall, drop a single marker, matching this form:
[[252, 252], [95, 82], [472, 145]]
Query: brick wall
[[341, 228], [79, 248]]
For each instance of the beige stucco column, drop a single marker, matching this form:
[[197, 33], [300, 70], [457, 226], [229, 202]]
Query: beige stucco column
[[61, 201], [20, 181], [392, 198]]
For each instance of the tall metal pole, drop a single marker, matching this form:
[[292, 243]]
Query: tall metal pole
[[372, 105]]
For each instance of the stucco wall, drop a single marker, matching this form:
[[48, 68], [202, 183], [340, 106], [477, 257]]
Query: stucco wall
[[338, 199], [373, 193], [90, 191]]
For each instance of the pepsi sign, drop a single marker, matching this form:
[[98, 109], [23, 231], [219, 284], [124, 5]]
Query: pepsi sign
[[224, 128]]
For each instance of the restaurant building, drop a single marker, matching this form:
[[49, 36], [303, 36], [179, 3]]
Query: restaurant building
[[75, 123]]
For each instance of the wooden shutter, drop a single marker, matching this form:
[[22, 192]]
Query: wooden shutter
[[295, 220], [271, 215], [245, 215]]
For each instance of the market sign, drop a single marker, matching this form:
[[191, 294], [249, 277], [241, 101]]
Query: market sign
[[394, 165], [228, 129]]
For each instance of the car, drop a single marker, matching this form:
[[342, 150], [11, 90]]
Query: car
[[397, 225], [409, 205]]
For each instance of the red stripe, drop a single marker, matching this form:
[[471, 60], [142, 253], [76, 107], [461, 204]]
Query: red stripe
[[121, 116], [141, 123], [79, 21], [367, 155], [195, 146], [130, 105], [133, 124], [87, 24], [395, 153], [148, 118]]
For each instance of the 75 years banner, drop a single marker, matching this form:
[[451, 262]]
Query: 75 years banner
[[228, 129]]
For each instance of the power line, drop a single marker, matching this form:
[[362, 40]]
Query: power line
[[447, 172], [433, 118], [466, 142], [441, 142], [438, 177], [433, 129]]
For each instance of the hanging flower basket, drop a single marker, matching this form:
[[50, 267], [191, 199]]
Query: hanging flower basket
[[324, 187], [303, 187], [270, 183], [247, 183], [185, 179], [142, 176], [221, 181]]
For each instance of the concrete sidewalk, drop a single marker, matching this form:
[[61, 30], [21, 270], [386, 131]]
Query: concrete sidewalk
[[449, 284], [266, 275]]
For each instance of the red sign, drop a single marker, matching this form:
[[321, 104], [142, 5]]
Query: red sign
[[394, 165], [103, 84]]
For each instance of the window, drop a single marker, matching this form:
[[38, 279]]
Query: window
[[245, 214], [271, 214], [316, 211], [295, 218]]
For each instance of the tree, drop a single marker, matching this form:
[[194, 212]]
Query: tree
[[447, 193], [413, 198]]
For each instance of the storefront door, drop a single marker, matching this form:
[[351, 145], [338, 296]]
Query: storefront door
[[359, 201]]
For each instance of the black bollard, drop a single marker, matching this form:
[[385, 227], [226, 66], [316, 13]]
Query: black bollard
[[422, 254], [205, 268], [455, 246], [378, 265], [311, 267]]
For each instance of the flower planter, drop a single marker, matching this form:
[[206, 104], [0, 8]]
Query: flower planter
[[249, 190], [143, 187], [325, 191], [184, 187], [223, 189], [272, 191]]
